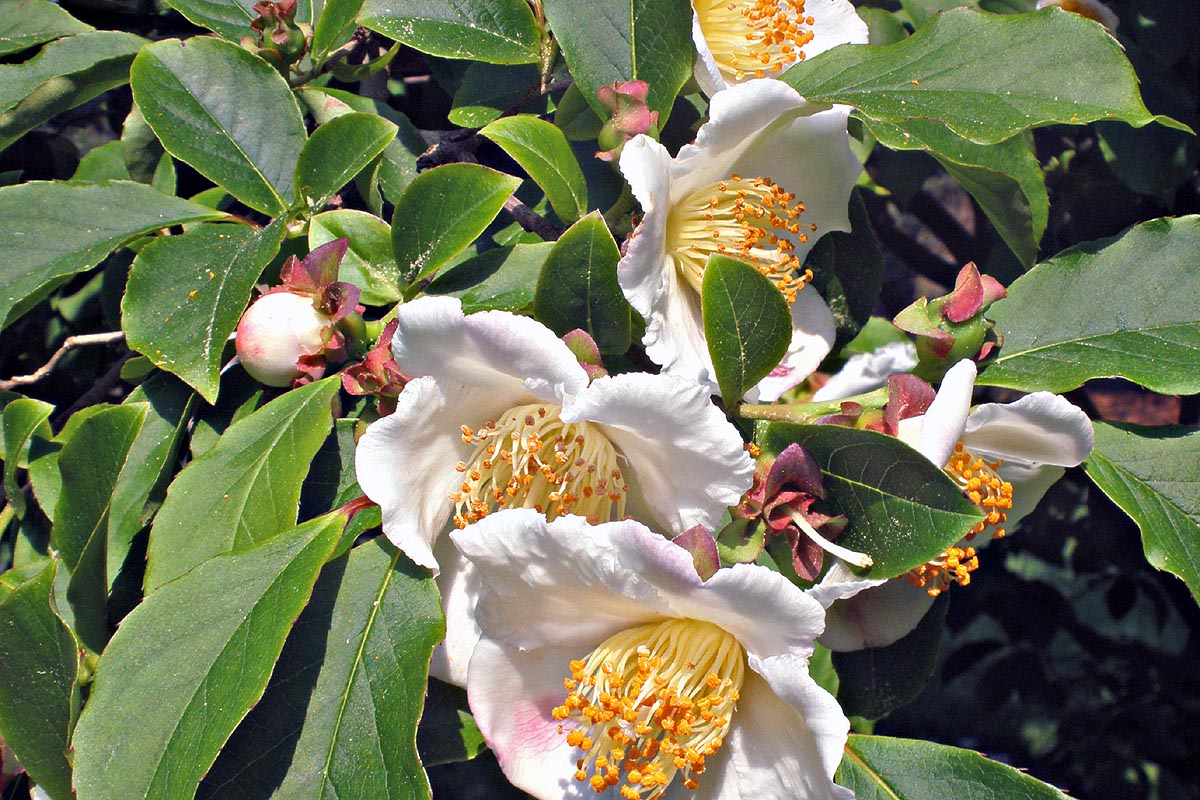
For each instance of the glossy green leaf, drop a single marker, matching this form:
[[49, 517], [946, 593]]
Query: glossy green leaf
[[343, 719], [66, 73], [103, 163], [188, 663], [986, 77], [902, 510], [21, 419], [746, 322], [883, 768], [1127, 306], [195, 95], [501, 278], [229, 18], [91, 462], [487, 91], [38, 694], [578, 286], [186, 294], [369, 263], [848, 272], [495, 31], [333, 27], [543, 152], [246, 488], [51, 214], [603, 43], [1151, 474], [1005, 178], [32, 22], [336, 152], [442, 211], [447, 733]]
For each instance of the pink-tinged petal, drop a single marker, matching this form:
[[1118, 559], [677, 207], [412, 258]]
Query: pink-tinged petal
[[685, 460], [813, 334], [866, 371], [942, 425], [458, 584], [493, 350], [875, 617], [405, 461], [1040, 428]]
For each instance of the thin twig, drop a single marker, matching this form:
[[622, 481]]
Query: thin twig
[[531, 221], [96, 394], [69, 344]]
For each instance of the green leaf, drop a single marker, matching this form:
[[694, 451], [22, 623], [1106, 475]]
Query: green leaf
[[74, 227], [196, 95], [882, 768], [1090, 312], [246, 488], [186, 294], [369, 263], [495, 31], [38, 694], [336, 152], [543, 152], [21, 419], [848, 272], [877, 680], [603, 43], [1005, 178], [501, 278], [103, 163], [27, 23], [487, 91], [448, 733], [333, 27], [746, 322], [1151, 474], [902, 509], [66, 73], [188, 663], [578, 286], [986, 77], [442, 211], [342, 720], [91, 461], [230, 19]]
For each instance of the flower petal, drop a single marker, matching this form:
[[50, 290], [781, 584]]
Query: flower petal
[[813, 334], [708, 75], [495, 350], [875, 617], [942, 425], [643, 268], [458, 584], [687, 460], [1040, 428], [405, 461], [838, 583], [863, 372], [1030, 485]]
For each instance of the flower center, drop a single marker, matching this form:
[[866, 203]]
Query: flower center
[[754, 37], [530, 458], [746, 218], [650, 702], [988, 491]]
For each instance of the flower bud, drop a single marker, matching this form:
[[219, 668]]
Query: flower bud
[[630, 116], [276, 332]]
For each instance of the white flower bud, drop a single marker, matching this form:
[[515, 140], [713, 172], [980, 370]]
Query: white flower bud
[[275, 332]]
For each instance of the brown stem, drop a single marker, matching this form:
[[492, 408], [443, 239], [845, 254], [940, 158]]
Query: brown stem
[[69, 344]]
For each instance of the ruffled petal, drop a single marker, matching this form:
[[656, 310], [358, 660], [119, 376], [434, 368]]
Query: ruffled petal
[[645, 266], [840, 582], [875, 617], [942, 424], [1040, 428], [458, 584], [866, 371], [685, 460], [405, 461], [494, 350], [674, 337], [813, 334]]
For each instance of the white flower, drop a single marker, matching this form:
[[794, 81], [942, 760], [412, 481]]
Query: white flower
[[1005, 456], [708, 681], [1092, 9], [767, 176], [737, 40], [500, 414], [863, 372]]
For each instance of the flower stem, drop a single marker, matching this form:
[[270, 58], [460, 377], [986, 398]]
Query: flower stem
[[807, 412]]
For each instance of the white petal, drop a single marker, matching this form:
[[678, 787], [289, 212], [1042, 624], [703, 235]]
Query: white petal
[[875, 617], [405, 461], [495, 350], [674, 337], [458, 584], [863, 372], [708, 75], [686, 461], [813, 334], [834, 22], [1041, 428], [944, 420], [1029, 484], [838, 583]]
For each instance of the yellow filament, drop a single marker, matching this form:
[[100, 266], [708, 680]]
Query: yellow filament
[[650, 704], [530, 458], [752, 219], [754, 38]]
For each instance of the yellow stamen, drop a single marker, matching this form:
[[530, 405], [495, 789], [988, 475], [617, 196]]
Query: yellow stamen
[[652, 702], [532, 459], [993, 495], [752, 219], [754, 38]]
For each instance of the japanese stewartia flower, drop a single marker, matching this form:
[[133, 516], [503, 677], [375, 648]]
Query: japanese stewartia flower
[[499, 413], [287, 334], [1092, 9], [1005, 456], [743, 39], [605, 662], [767, 176], [863, 372]]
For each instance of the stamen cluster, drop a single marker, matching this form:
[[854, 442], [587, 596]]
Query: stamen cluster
[[752, 38], [650, 703]]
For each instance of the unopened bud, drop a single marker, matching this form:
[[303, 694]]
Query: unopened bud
[[276, 332]]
